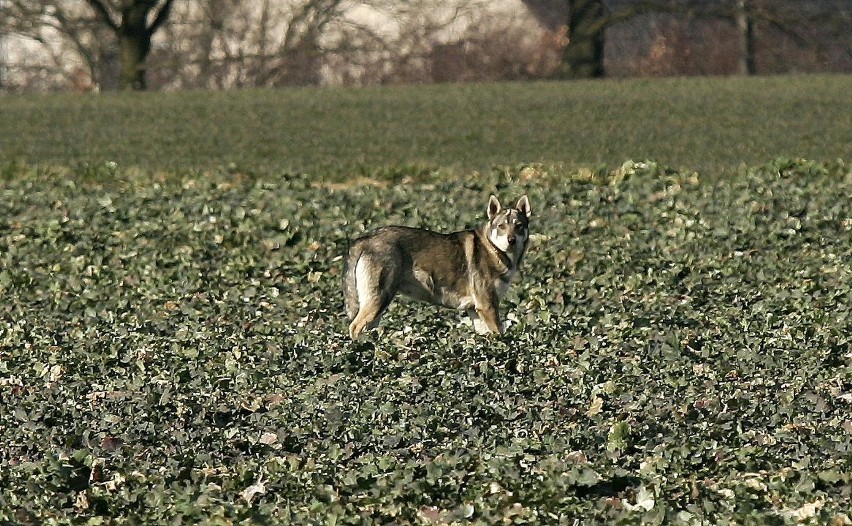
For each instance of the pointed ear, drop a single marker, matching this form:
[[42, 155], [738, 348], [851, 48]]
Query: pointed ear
[[493, 207], [524, 206]]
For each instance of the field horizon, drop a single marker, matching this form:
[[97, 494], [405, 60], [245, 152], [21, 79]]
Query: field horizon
[[707, 124]]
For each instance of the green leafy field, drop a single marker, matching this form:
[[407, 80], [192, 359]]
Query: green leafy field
[[173, 351], [708, 124]]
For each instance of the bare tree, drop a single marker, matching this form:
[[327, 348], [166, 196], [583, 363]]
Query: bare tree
[[448, 41], [585, 23], [808, 24], [305, 42], [207, 43], [231, 43], [69, 42], [96, 31], [426, 31], [162, 44], [583, 56], [745, 26], [134, 23]]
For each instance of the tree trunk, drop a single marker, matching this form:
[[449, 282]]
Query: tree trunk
[[584, 55], [135, 43], [746, 28], [134, 50]]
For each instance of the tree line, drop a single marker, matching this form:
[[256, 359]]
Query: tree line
[[142, 44]]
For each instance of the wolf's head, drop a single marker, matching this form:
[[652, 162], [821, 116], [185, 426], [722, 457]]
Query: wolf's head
[[508, 228]]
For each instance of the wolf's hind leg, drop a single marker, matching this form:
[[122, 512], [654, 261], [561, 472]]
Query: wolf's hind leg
[[350, 289], [373, 296], [367, 318]]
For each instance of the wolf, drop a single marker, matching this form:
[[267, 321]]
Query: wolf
[[469, 270]]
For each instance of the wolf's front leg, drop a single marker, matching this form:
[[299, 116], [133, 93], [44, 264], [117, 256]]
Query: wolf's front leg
[[478, 323], [490, 319]]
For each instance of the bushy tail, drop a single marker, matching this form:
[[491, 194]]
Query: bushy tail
[[350, 287]]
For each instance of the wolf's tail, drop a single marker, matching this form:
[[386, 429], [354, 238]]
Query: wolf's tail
[[350, 286]]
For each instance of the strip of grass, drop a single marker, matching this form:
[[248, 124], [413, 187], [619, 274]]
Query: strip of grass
[[710, 124]]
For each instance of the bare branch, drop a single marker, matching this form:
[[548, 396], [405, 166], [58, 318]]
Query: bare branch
[[162, 16], [103, 13]]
